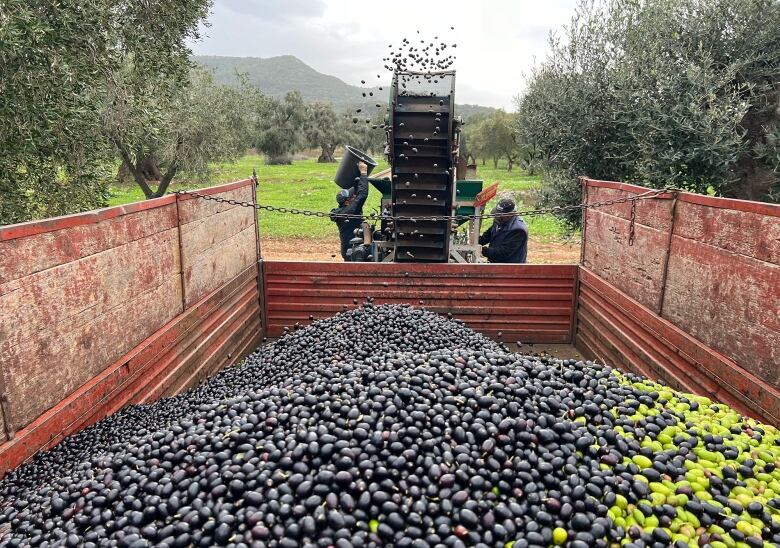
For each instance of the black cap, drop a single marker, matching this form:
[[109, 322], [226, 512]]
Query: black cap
[[344, 194], [505, 205]]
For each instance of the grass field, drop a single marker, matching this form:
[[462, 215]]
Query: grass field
[[308, 185]]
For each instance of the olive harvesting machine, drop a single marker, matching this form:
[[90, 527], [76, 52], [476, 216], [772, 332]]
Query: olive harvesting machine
[[428, 187]]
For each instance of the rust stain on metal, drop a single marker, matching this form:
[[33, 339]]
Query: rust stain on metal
[[172, 359], [531, 303], [621, 331], [96, 320]]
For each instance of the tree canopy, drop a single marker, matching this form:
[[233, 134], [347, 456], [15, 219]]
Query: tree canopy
[[497, 136], [660, 92], [282, 130], [68, 71], [201, 123]]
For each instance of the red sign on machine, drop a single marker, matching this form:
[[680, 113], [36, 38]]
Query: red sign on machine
[[486, 195]]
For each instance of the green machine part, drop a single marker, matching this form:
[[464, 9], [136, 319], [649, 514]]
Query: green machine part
[[466, 191], [383, 186]]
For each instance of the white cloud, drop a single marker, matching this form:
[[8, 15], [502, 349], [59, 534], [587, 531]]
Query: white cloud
[[498, 40]]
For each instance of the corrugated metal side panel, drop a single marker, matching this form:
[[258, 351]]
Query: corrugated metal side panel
[[723, 284], [213, 333], [711, 266], [530, 303], [616, 329], [75, 300]]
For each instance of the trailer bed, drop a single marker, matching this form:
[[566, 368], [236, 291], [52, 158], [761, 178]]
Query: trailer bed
[[132, 303]]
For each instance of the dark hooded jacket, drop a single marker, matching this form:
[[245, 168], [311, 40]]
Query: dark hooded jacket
[[507, 244], [355, 207]]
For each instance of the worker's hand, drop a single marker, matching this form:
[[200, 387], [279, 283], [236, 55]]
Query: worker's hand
[[363, 168]]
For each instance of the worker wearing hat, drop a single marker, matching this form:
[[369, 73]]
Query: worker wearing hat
[[350, 203], [507, 240]]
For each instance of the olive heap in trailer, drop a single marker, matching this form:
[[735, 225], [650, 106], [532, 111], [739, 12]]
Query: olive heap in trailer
[[393, 426]]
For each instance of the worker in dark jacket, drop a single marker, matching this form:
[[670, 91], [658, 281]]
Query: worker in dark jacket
[[507, 239], [351, 203]]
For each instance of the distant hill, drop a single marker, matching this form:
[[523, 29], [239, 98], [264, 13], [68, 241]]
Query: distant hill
[[467, 111], [277, 75]]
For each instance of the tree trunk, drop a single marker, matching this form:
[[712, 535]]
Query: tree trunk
[[166, 180], [149, 168], [327, 155], [509, 165], [754, 178], [484, 161], [127, 160], [495, 163], [145, 167], [124, 175]]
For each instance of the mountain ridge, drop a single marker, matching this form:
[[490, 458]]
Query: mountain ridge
[[280, 74]]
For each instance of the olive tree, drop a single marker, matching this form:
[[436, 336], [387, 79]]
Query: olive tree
[[325, 129], [52, 160], [283, 131], [68, 72], [473, 135], [367, 134], [203, 122], [662, 92], [497, 136]]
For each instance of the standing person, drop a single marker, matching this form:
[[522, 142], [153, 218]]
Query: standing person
[[350, 203], [507, 239]]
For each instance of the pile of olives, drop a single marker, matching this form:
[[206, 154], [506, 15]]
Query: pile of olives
[[394, 426]]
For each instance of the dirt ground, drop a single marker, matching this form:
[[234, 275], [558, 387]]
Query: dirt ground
[[327, 249]]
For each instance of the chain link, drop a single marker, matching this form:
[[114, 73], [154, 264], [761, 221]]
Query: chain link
[[650, 194], [632, 224]]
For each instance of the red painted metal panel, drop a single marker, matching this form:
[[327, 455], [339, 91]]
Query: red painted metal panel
[[218, 240], [22, 257], [747, 206], [217, 331], [118, 295], [651, 213], [761, 208], [729, 302], [748, 234], [710, 266], [620, 331], [626, 187], [636, 269], [530, 303], [31, 228], [219, 189], [62, 326]]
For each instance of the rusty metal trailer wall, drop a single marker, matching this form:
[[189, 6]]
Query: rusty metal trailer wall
[[530, 303], [121, 305], [695, 300]]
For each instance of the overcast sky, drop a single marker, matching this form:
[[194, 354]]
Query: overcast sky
[[498, 40]]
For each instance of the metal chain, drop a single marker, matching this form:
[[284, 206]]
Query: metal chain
[[632, 224], [650, 194]]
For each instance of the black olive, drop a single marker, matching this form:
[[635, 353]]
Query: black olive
[[383, 424]]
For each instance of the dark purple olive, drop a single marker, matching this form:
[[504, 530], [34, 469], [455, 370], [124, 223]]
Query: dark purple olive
[[382, 425]]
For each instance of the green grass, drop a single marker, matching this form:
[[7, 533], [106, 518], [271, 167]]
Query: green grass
[[523, 188], [308, 185]]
